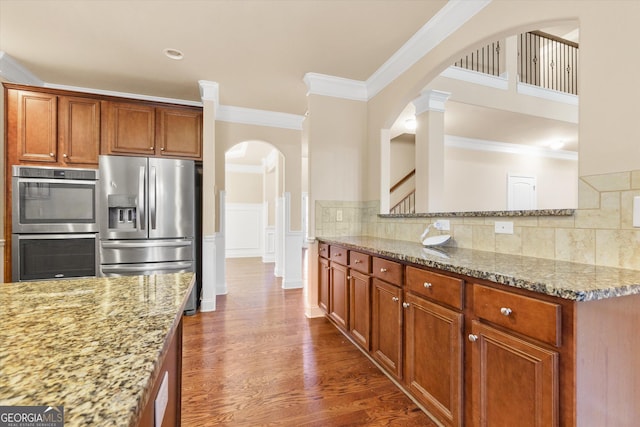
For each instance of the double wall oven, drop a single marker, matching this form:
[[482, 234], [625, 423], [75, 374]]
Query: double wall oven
[[54, 223]]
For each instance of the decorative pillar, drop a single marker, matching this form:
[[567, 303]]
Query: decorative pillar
[[430, 150], [209, 95]]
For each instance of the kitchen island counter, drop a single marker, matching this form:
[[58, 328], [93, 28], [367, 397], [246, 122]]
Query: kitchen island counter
[[567, 280], [94, 345]]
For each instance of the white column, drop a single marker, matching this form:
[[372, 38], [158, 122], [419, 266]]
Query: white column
[[430, 150], [385, 170], [292, 277], [209, 95], [221, 248]]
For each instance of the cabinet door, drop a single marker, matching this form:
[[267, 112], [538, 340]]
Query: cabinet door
[[339, 295], [386, 326], [179, 133], [37, 127], [360, 308], [514, 382], [129, 128], [323, 284], [79, 130], [433, 345]]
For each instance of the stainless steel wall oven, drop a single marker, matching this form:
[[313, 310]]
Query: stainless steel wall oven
[[54, 223]]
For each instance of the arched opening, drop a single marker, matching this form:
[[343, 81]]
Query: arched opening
[[496, 122], [254, 185]]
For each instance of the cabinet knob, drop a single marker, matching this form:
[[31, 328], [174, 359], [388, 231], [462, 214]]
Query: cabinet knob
[[427, 284], [150, 148], [65, 155], [505, 311], [473, 338], [395, 299], [357, 261], [50, 154], [348, 277], [162, 149], [406, 304], [383, 270]]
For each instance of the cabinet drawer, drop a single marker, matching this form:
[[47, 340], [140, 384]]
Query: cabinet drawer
[[535, 318], [338, 254], [323, 250], [444, 289], [359, 261], [388, 271]]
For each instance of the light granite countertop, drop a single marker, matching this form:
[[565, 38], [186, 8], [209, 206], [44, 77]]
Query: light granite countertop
[[573, 281], [93, 345]]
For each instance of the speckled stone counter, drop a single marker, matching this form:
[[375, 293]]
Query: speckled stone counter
[[573, 281], [92, 345]]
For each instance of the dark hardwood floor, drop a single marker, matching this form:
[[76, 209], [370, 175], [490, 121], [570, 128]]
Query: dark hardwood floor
[[258, 361]]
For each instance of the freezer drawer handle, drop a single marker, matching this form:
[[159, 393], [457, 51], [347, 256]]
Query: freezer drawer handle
[[116, 245], [136, 269]]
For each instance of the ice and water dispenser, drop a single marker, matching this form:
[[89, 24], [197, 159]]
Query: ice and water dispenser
[[123, 211]]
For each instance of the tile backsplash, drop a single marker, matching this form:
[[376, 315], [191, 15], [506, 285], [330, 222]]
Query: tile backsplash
[[600, 232]]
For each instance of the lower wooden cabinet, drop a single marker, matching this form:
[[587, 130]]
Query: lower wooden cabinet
[[434, 358], [360, 308], [386, 326], [339, 295], [514, 382], [472, 354]]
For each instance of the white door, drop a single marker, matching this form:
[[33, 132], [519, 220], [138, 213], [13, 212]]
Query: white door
[[521, 192]]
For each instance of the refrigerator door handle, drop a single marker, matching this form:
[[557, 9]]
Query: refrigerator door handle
[[141, 186], [152, 196]]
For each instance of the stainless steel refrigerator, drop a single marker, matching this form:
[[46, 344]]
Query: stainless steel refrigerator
[[147, 217]]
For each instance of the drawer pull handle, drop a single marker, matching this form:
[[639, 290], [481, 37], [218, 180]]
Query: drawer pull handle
[[383, 270], [338, 254], [505, 311], [406, 304], [473, 338], [357, 261], [323, 249], [427, 284], [395, 299]]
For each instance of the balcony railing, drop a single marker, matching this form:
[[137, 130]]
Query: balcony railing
[[543, 60], [483, 60], [548, 61]]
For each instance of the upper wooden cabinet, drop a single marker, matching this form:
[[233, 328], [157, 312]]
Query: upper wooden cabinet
[[53, 129], [143, 129]]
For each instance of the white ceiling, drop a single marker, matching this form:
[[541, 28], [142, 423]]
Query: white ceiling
[[258, 51]]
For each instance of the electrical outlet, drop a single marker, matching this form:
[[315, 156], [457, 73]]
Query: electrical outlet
[[339, 215], [504, 227]]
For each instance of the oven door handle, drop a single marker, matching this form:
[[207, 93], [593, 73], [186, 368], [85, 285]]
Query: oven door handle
[[141, 201]]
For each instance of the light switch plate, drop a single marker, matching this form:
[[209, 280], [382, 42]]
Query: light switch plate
[[636, 211], [504, 227], [339, 215]]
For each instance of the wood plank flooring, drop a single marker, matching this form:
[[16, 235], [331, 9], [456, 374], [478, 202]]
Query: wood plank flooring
[[258, 361]]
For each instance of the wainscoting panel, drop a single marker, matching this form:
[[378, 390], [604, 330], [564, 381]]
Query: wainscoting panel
[[243, 231]]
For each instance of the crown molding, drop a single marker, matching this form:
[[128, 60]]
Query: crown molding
[[336, 87], [123, 94], [250, 116], [507, 148], [13, 72], [448, 19], [431, 100], [209, 91]]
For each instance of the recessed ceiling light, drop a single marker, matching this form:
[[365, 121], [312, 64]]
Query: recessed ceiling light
[[173, 53]]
